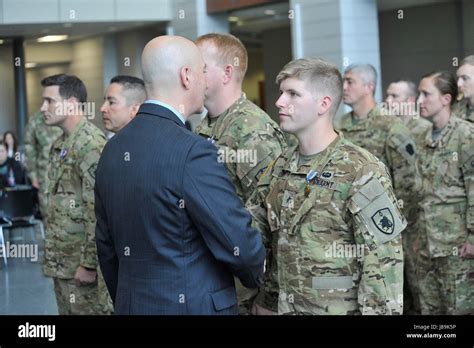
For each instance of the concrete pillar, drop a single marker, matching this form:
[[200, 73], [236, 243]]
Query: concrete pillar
[[341, 31]]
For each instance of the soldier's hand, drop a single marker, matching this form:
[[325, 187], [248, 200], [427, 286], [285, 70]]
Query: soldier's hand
[[467, 251], [35, 183], [84, 277]]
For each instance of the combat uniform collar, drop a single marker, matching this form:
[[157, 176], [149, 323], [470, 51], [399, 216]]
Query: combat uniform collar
[[322, 158], [445, 135], [223, 119], [234, 107], [68, 140], [346, 122]]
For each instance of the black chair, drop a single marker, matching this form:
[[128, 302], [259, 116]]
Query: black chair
[[17, 210]]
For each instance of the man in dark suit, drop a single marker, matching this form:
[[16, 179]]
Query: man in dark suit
[[171, 232]]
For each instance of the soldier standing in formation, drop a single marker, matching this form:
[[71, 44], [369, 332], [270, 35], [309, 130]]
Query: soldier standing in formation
[[323, 196], [401, 102], [384, 136], [446, 221], [70, 250], [38, 140], [248, 140], [464, 108]]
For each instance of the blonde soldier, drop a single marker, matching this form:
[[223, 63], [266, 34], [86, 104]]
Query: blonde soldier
[[326, 210], [247, 138], [446, 225], [464, 108], [70, 250], [401, 102], [384, 136]]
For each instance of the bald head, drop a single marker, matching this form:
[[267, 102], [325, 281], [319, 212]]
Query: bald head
[[173, 69]]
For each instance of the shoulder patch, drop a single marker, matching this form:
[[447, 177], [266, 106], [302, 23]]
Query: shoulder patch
[[377, 212]]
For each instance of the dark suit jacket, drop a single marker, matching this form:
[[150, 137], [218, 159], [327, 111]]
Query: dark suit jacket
[[171, 232]]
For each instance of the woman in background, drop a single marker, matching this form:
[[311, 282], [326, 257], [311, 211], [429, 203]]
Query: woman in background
[[11, 171], [10, 140]]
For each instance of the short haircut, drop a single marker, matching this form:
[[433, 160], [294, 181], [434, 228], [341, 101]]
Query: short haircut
[[230, 50], [445, 82], [69, 86], [366, 71], [133, 87], [412, 89], [468, 60], [322, 77]]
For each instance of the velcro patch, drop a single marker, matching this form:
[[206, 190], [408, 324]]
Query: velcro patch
[[378, 212]]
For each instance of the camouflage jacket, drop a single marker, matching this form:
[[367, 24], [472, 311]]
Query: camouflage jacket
[[463, 110], [334, 245], [248, 141], [389, 140], [70, 232], [38, 140], [447, 204], [417, 126]]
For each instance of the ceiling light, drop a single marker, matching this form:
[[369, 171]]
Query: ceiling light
[[52, 38], [1, 42], [30, 65], [233, 19], [270, 12]]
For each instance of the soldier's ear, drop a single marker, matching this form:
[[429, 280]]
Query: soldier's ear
[[325, 104], [446, 99], [228, 73]]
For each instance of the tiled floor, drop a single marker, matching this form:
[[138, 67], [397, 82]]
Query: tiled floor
[[24, 290]]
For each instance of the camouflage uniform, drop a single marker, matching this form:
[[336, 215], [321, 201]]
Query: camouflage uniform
[[70, 232], [244, 127], [463, 110], [447, 219], [38, 140], [417, 125], [349, 206], [411, 293], [389, 139]]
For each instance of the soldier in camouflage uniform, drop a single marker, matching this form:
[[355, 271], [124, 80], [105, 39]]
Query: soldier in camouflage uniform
[[401, 102], [248, 140], [327, 210], [384, 136], [70, 250], [38, 140], [464, 108], [446, 234]]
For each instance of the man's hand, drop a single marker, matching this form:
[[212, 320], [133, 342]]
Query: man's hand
[[35, 183], [467, 251], [84, 277]]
